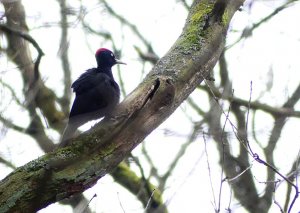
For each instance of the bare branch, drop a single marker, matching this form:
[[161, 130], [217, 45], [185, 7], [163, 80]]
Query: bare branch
[[36, 93], [249, 31], [185, 4], [11, 125], [127, 23], [255, 105], [7, 163], [27, 37], [23, 35], [193, 136], [192, 103], [150, 56], [64, 51], [13, 93]]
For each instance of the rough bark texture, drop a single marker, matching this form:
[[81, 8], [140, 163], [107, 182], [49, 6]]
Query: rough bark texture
[[73, 169]]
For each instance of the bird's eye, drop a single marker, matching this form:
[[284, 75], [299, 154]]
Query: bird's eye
[[112, 55]]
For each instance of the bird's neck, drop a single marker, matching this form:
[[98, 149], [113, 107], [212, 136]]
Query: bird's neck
[[107, 71]]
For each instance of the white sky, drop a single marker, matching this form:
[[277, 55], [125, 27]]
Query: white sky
[[275, 45]]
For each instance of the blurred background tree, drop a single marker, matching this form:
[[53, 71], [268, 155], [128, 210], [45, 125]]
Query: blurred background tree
[[230, 147]]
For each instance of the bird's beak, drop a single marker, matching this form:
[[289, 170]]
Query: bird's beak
[[120, 62]]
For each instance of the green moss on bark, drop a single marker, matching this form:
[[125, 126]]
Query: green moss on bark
[[194, 34]]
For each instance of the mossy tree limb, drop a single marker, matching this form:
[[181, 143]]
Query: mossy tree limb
[[71, 170], [147, 193]]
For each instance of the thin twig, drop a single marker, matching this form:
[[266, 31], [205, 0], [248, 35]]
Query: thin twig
[[247, 117], [121, 205], [254, 155], [191, 102], [7, 163], [274, 200], [87, 205], [223, 157], [229, 203], [146, 182], [11, 125], [179, 155], [128, 24], [185, 4], [185, 179], [249, 31], [154, 171], [12, 91], [209, 174], [149, 201], [239, 175]]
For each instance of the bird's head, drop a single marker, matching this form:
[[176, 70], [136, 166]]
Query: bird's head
[[106, 58]]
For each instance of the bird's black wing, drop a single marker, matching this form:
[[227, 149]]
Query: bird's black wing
[[87, 81], [92, 90]]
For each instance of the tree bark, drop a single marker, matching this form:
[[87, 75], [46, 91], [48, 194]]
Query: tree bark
[[71, 170]]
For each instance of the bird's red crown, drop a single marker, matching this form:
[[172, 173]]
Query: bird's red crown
[[102, 50]]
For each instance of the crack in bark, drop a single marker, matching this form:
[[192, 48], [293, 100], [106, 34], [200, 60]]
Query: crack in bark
[[155, 88]]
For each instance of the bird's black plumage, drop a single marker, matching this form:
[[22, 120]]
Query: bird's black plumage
[[97, 94]]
